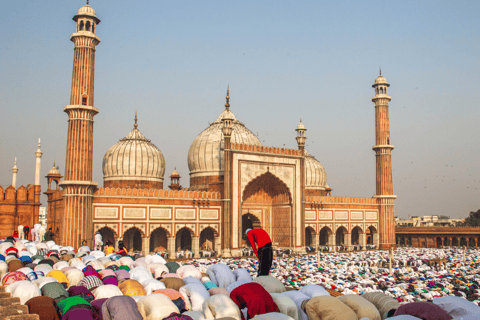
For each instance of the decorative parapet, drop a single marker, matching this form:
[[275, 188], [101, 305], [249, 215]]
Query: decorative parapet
[[21, 194], [350, 200], [274, 150], [156, 193]]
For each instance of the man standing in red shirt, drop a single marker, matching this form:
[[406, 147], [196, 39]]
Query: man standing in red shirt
[[262, 247]]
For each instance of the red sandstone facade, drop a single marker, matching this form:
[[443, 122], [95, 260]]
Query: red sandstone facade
[[267, 185], [17, 207]]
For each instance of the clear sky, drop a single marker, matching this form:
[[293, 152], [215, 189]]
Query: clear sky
[[284, 60]]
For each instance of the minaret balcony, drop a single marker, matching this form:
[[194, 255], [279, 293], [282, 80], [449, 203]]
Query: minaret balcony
[[383, 146]]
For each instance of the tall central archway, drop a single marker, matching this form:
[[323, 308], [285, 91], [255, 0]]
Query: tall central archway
[[269, 198]]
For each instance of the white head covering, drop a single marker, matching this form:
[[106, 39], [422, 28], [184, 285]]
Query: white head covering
[[246, 231]]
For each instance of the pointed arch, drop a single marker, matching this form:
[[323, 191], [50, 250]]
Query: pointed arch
[[132, 238], [325, 232], [207, 238], [271, 185], [309, 236], [108, 234], [159, 240], [183, 239]]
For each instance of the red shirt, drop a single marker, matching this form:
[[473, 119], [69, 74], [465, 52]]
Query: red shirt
[[259, 237]]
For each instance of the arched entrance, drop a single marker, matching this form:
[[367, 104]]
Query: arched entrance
[[270, 197], [371, 235], [471, 242], [402, 241], [447, 242], [409, 241], [159, 240], [454, 242], [183, 240], [340, 236], [107, 235], [324, 234], [439, 242], [207, 239], [309, 237], [356, 235], [463, 242], [132, 239]]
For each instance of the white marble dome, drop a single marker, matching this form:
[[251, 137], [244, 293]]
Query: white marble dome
[[134, 158], [381, 80], [315, 174], [87, 10], [205, 156]]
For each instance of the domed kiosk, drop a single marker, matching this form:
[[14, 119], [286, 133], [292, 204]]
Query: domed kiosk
[[134, 162]]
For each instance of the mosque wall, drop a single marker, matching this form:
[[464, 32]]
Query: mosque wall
[[148, 210], [17, 207]]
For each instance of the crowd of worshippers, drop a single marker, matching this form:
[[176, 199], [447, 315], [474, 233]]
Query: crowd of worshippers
[[59, 282]]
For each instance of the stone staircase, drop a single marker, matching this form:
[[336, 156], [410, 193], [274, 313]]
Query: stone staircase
[[11, 309]]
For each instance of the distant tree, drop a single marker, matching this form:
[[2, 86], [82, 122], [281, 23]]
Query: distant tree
[[473, 220], [444, 217]]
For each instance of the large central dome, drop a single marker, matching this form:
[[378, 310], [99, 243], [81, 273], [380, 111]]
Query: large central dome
[[134, 162], [205, 156]]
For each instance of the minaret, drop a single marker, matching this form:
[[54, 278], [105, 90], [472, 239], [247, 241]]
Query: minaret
[[383, 152], [301, 138], [14, 170], [227, 130], [78, 185], [37, 188]]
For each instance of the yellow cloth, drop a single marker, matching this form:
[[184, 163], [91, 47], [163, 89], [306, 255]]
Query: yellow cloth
[[59, 275], [109, 250], [132, 288]]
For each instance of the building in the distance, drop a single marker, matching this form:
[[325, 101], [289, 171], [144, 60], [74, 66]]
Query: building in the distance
[[429, 221], [233, 177]]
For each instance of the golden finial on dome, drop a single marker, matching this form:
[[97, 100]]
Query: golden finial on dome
[[380, 70], [135, 125], [88, 2], [227, 105]]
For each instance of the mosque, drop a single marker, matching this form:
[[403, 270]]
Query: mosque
[[233, 177]]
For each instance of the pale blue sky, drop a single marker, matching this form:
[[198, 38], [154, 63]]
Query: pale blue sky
[[284, 60]]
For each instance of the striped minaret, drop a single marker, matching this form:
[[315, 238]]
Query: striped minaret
[[383, 152], [78, 185]]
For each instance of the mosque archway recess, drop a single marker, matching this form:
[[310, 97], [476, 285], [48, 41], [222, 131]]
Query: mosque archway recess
[[356, 235], [309, 237], [340, 236], [324, 235], [207, 239], [132, 239], [159, 240], [183, 240], [269, 200], [107, 235]]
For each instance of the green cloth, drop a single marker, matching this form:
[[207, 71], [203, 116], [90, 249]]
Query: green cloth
[[172, 267], [37, 256], [54, 290], [124, 268], [67, 304]]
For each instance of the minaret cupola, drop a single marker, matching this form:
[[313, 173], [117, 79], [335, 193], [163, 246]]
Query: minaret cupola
[[301, 135]]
